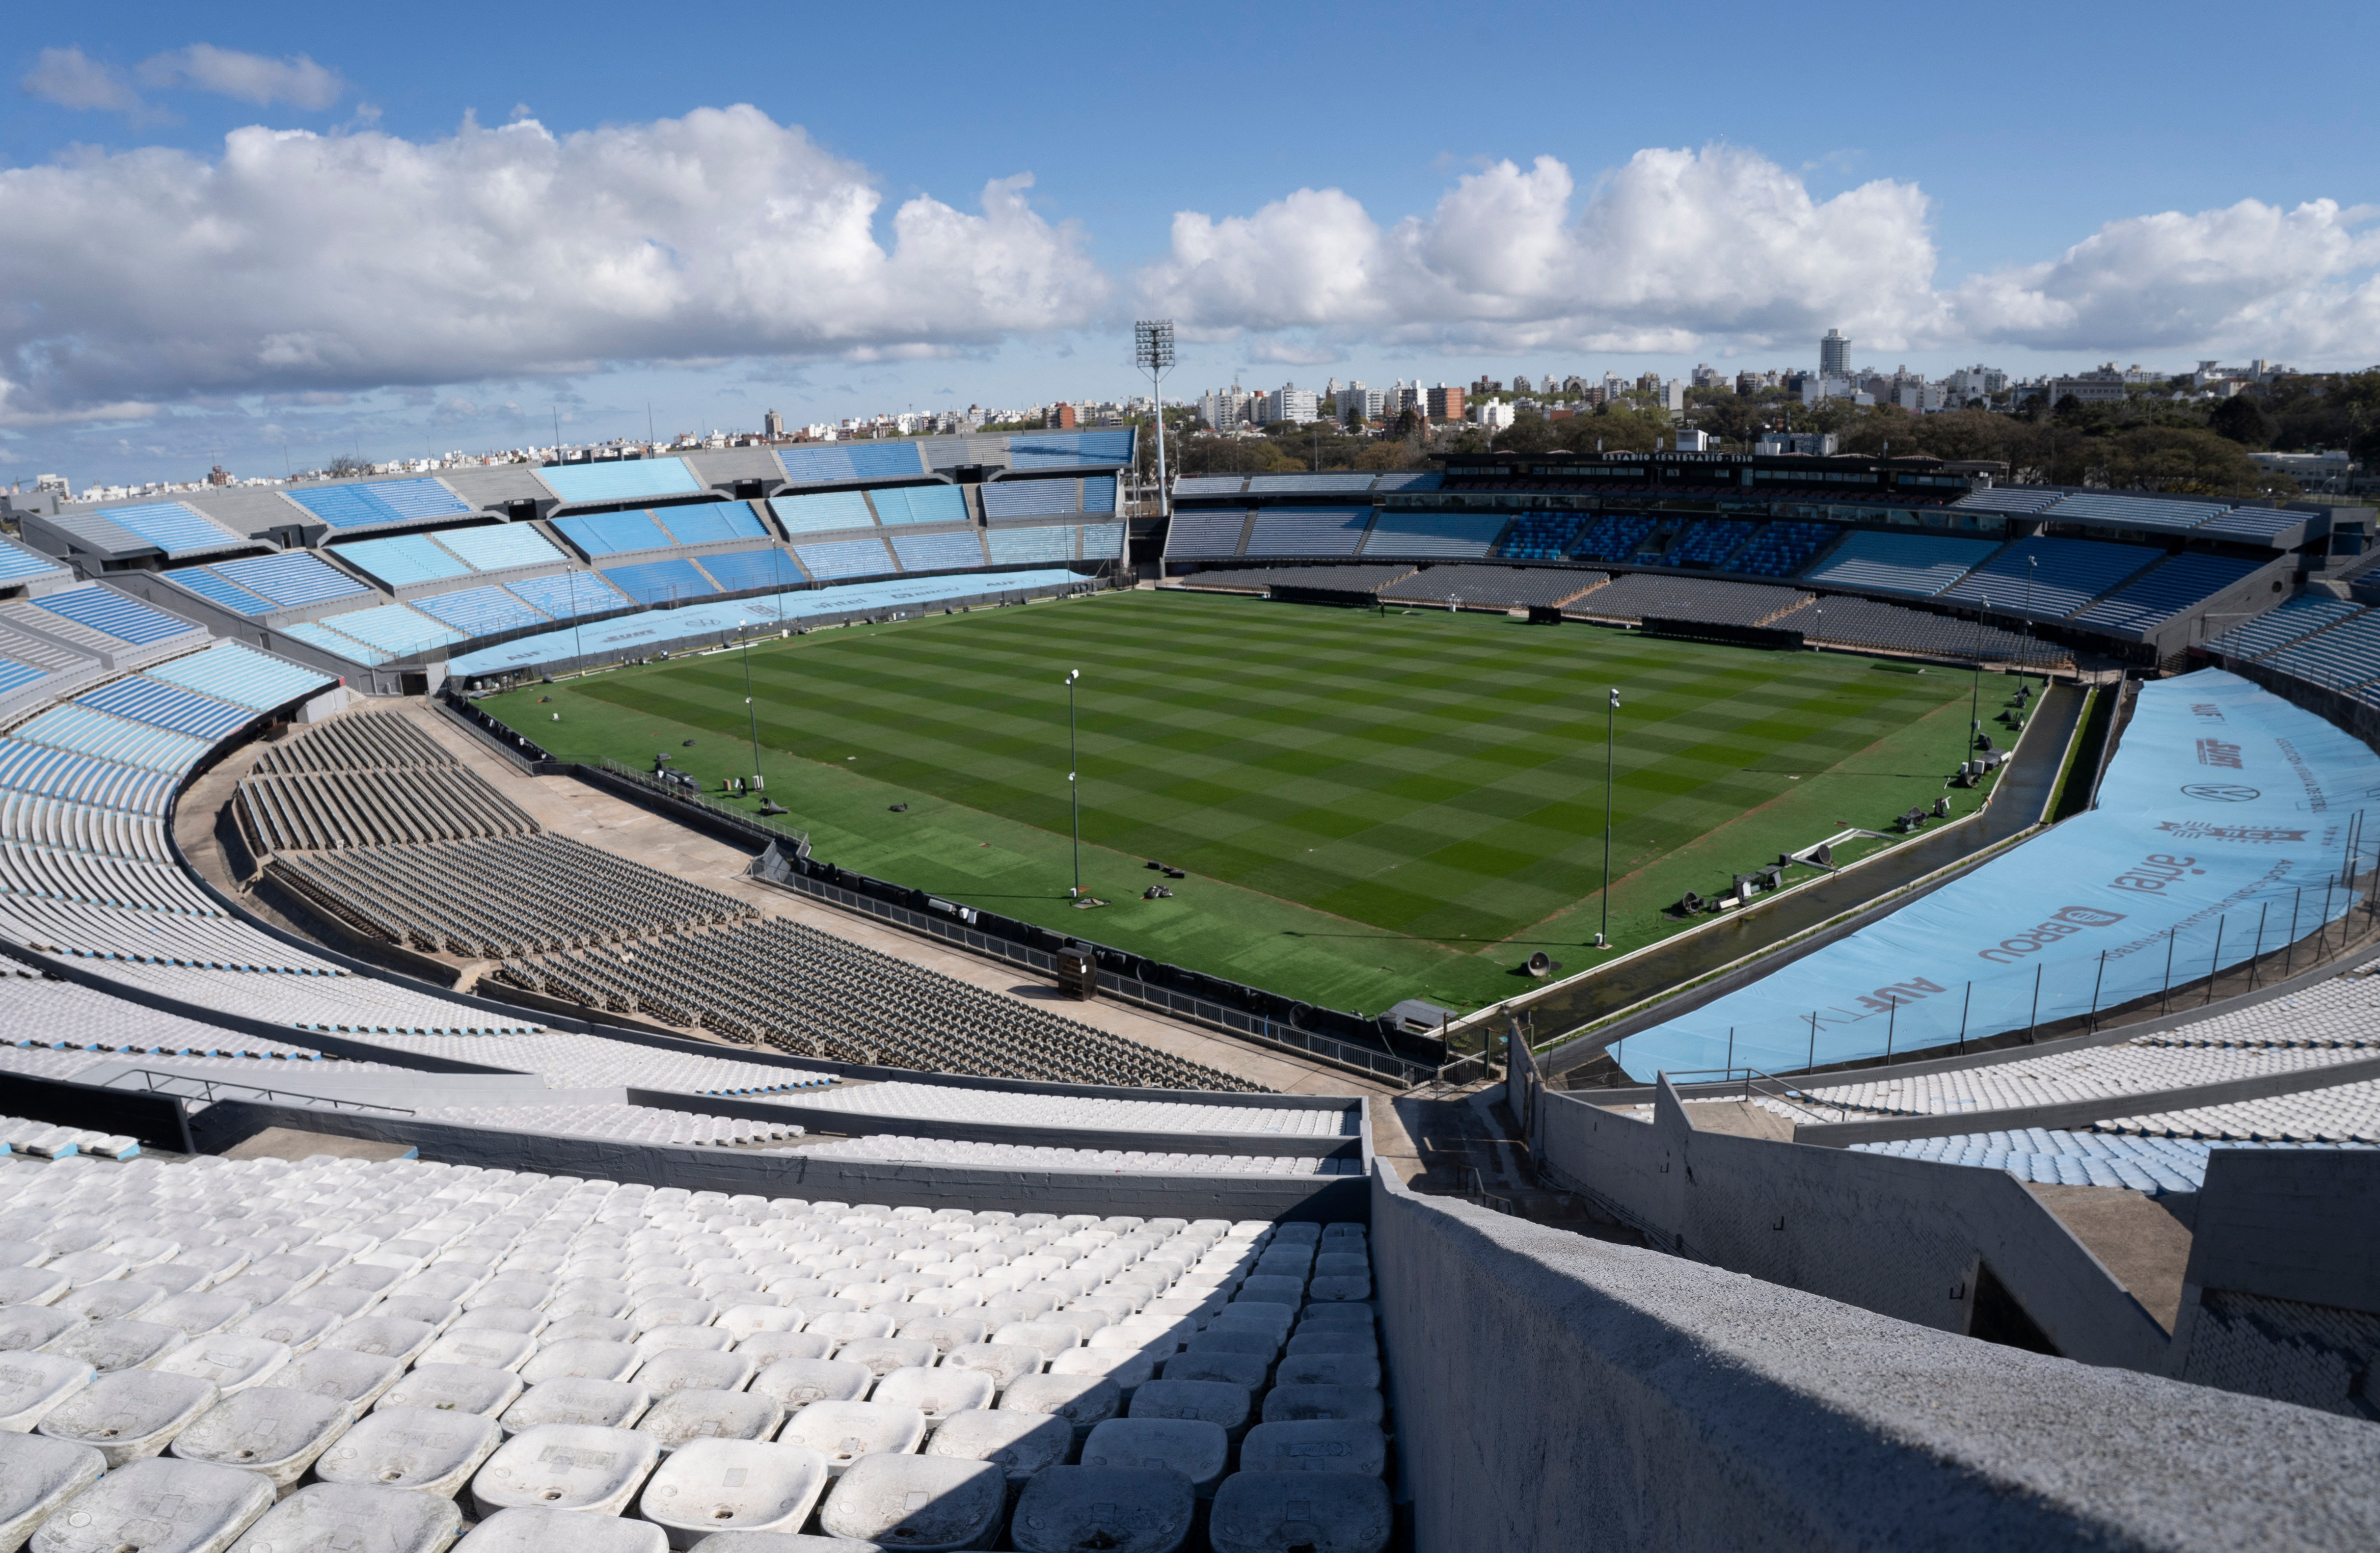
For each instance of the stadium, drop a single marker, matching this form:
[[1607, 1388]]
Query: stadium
[[553, 1003]]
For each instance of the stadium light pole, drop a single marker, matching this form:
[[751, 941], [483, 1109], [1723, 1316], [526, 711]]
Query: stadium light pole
[[1610, 709], [751, 713], [1152, 349], [1975, 694], [1075, 787]]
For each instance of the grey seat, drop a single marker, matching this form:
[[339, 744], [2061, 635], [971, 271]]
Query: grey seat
[[935, 1390], [1316, 1445], [780, 1542], [1198, 1449], [267, 1430], [606, 1405], [418, 1448], [31, 1286], [732, 1484], [456, 1388], [843, 1432], [1353, 1404], [693, 1414], [1066, 1508], [358, 1380], [1335, 1339], [211, 1506], [1317, 1512], [796, 1383], [525, 1529], [1020, 1444], [354, 1518], [37, 1475], [565, 1466], [195, 1315], [1340, 1286], [1329, 1369], [926, 1502], [1052, 1337], [1217, 1402], [32, 1384], [1130, 1368], [131, 1414], [1082, 1399], [1235, 1369], [1217, 1339]]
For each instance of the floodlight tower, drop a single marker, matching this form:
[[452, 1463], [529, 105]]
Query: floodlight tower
[[1152, 351]]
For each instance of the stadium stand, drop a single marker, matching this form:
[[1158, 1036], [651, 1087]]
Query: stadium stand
[[2016, 501], [1410, 480], [1249, 579], [19, 565], [114, 739], [1923, 564], [1509, 587], [1308, 530], [939, 1151], [481, 612], [944, 553], [1210, 485], [2345, 654], [825, 513], [1640, 594], [656, 582], [1308, 485], [918, 503], [1201, 532], [624, 480], [176, 528], [236, 673], [500, 547], [1706, 545], [614, 533], [838, 462], [2154, 1165], [1058, 449], [737, 571], [1399, 531], [392, 630], [2134, 511], [114, 616], [2166, 590], [1045, 545], [1104, 541], [701, 523], [378, 502], [402, 560], [1845, 621], [167, 705], [843, 558], [2249, 523], [2294, 619], [1781, 548], [566, 595], [1541, 536], [2070, 574], [259, 585], [1030, 498], [1098, 493], [1613, 537]]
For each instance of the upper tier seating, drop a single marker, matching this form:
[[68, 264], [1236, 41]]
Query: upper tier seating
[[1098, 493], [1846, 621], [1541, 536], [20, 563], [403, 560], [1200, 531], [1104, 541], [1308, 530], [1043, 545], [614, 533], [113, 614], [44, 771], [1781, 548], [1454, 535], [1029, 498], [261, 583], [376, 501], [2345, 654], [566, 595], [844, 558], [626, 480], [2132, 511], [2166, 590], [1642, 594], [2070, 574], [1707, 544], [1923, 564], [822, 513], [1306, 485], [1058, 450], [1613, 537], [481, 612], [834, 463], [236, 673], [500, 546], [1509, 587], [702, 523], [660, 582], [111, 738], [168, 706], [395, 630], [2298, 618], [921, 503], [173, 527], [2011, 499], [938, 552], [740, 570]]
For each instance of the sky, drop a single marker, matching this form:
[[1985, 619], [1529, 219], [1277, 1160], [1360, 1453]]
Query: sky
[[267, 235]]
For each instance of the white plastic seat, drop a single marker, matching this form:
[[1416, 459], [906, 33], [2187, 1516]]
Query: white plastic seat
[[1276, 1511], [233, 1364], [1020, 1444], [582, 1329], [1316, 1445], [565, 1466], [527, 1320], [33, 1384], [882, 1357], [694, 1369], [732, 1484], [352, 1518], [1216, 1402], [117, 1299], [1129, 1367], [110, 1346], [766, 1348], [925, 1502], [935, 1390], [669, 1339], [422, 1449], [296, 1328], [195, 1315], [578, 1400], [493, 1351], [358, 1380], [1198, 1449], [741, 1321], [31, 1286], [1066, 1508], [211, 1506], [849, 1326], [456, 1388], [265, 1429], [37, 1475], [390, 1335], [583, 1360], [1083, 1401], [131, 1414], [528, 1530], [1004, 1362], [843, 1432], [695, 1413], [27, 1327], [796, 1383]]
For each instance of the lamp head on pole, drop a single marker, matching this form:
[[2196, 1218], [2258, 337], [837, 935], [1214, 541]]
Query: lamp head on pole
[[1615, 699], [1073, 675]]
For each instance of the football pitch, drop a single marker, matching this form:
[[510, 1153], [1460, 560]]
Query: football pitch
[[1368, 806]]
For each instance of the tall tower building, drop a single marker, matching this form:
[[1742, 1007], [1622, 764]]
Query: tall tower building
[[1834, 356]]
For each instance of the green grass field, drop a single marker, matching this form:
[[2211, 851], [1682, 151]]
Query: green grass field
[[1370, 807]]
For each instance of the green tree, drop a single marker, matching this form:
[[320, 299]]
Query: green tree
[[2241, 419]]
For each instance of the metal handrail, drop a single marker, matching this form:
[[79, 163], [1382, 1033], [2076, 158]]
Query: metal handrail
[[208, 1086], [1782, 1092]]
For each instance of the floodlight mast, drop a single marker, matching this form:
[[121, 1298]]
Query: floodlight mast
[[1152, 349]]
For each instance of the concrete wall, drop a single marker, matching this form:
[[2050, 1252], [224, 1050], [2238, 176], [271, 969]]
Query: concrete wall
[[1900, 1237], [1552, 1391], [2269, 1221]]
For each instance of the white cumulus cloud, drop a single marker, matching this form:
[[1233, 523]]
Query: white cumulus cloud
[[297, 262], [250, 78], [71, 78], [1674, 248]]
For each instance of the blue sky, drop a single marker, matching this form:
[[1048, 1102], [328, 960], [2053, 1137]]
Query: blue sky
[[272, 224]]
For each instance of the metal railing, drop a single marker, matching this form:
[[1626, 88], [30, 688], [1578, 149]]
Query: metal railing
[[1754, 1080], [1198, 1011], [211, 1090]]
